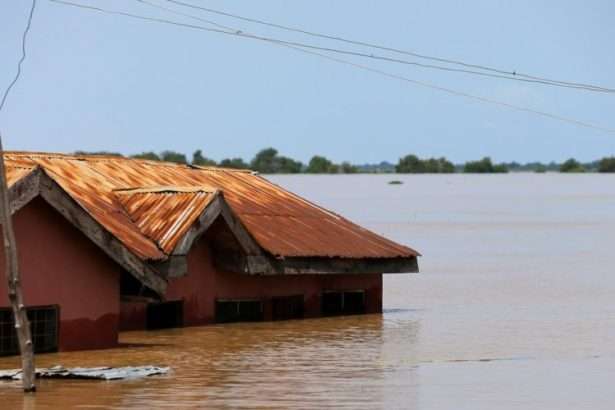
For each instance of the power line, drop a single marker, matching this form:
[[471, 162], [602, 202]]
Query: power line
[[392, 49], [372, 56], [23, 56], [240, 33], [345, 62], [450, 91], [213, 23], [463, 94]]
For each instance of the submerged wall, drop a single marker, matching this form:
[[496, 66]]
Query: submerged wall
[[205, 283], [60, 266]]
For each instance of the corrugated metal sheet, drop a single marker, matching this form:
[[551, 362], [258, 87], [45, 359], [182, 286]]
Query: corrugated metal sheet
[[164, 216], [14, 174], [282, 223]]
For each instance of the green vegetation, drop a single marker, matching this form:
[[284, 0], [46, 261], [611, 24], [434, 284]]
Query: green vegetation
[[321, 165], [348, 168], [236, 163], [532, 167], [571, 166], [396, 182], [606, 164], [484, 166], [172, 156], [411, 164], [151, 156], [269, 161], [199, 159]]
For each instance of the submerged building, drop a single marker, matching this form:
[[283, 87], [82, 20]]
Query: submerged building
[[109, 244]]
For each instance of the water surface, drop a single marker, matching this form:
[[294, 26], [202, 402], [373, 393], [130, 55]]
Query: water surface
[[514, 308]]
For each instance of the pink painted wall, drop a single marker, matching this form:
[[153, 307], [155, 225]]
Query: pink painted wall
[[204, 284], [132, 316], [61, 266]]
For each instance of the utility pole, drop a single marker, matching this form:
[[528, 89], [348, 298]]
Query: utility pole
[[22, 325]]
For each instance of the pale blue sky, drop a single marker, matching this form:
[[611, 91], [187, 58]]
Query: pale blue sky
[[97, 82]]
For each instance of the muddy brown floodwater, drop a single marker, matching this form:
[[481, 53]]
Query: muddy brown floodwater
[[514, 309]]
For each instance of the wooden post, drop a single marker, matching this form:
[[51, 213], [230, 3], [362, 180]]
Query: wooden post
[[22, 325]]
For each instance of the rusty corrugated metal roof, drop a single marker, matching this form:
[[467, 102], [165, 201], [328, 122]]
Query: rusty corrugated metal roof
[[14, 173], [149, 206], [164, 215]]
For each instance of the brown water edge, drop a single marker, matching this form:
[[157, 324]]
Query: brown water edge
[[344, 362]]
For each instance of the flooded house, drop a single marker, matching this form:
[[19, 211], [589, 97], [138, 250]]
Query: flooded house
[[109, 244]]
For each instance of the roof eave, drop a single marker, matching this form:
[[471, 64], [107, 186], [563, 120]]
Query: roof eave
[[24, 190], [267, 265], [254, 260]]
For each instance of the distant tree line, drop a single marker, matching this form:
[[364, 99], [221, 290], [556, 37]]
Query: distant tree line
[[484, 166], [605, 165], [411, 164], [269, 161]]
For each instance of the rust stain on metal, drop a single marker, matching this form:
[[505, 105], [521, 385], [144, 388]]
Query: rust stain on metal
[[165, 216], [15, 173], [149, 206]]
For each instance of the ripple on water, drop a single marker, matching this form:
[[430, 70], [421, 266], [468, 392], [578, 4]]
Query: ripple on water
[[332, 361]]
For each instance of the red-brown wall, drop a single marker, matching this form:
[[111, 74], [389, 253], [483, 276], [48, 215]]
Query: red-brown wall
[[204, 283], [61, 266]]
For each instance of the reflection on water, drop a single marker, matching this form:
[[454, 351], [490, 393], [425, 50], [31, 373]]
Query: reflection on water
[[514, 309], [299, 364]]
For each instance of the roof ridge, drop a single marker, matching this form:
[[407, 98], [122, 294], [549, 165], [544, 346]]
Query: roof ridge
[[161, 189], [107, 157], [223, 169]]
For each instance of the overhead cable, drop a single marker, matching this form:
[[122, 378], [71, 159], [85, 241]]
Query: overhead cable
[[370, 56], [513, 73], [239, 33]]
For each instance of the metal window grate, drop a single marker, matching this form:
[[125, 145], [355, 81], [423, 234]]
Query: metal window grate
[[43, 325], [8, 337], [239, 311], [287, 307], [351, 302]]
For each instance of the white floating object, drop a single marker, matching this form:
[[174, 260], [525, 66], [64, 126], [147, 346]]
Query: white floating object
[[94, 373]]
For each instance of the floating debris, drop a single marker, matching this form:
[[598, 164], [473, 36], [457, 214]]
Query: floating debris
[[481, 360], [396, 182], [92, 373]]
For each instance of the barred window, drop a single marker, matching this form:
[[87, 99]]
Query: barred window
[[287, 307], [239, 311], [43, 325], [351, 302]]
